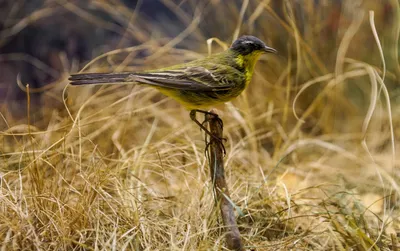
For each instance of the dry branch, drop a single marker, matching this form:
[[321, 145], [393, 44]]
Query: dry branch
[[215, 151]]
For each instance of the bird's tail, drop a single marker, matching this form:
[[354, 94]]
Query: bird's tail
[[98, 78]]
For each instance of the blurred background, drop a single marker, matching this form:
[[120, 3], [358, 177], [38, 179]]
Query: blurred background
[[42, 40], [311, 144]]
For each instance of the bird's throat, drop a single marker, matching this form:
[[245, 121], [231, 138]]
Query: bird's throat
[[247, 63]]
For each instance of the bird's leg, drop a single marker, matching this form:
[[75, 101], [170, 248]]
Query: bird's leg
[[206, 120], [201, 125], [193, 117]]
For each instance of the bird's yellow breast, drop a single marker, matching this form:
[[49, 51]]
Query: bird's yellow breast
[[248, 62]]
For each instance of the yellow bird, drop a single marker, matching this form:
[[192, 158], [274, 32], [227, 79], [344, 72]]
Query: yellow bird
[[198, 84]]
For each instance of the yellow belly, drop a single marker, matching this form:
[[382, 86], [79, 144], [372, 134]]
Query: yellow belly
[[201, 99]]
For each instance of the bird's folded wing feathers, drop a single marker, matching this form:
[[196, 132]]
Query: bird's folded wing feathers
[[188, 78]]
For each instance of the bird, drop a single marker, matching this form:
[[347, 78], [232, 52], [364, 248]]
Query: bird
[[199, 84]]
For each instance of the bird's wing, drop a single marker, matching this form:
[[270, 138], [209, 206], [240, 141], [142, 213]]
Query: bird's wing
[[214, 78]]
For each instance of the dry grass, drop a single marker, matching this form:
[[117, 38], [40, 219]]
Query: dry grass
[[123, 168]]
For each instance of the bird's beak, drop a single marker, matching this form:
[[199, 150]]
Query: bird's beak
[[270, 50]]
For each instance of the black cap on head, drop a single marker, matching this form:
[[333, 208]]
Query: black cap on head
[[248, 44]]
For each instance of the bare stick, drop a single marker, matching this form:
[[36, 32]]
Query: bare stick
[[215, 151]]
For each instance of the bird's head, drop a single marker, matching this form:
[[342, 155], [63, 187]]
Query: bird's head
[[250, 45]]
